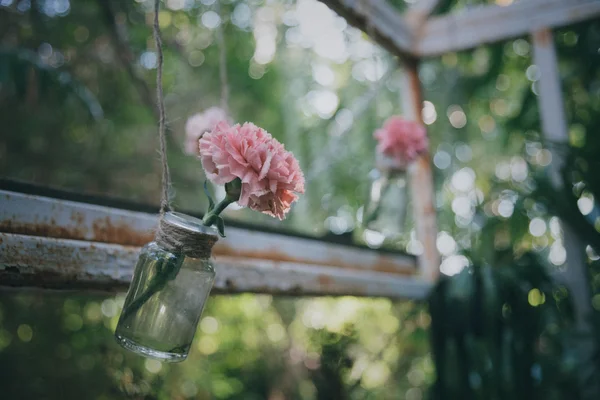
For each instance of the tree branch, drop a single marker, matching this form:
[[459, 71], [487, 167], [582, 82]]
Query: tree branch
[[125, 56]]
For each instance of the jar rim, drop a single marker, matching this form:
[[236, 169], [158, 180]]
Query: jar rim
[[188, 223]]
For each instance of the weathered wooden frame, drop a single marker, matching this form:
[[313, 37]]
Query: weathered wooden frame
[[63, 244], [415, 34], [51, 242]]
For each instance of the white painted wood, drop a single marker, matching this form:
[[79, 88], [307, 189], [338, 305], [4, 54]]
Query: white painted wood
[[555, 130], [75, 264], [424, 6], [488, 24], [63, 263], [550, 99], [387, 25], [413, 34], [44, 216]]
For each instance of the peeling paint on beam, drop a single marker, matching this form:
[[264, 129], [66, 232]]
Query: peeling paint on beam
[[48, 217], [412, 35], [31, 261], [64, 264], [262, 276], [43, 216], [389, 28], [491, 23]]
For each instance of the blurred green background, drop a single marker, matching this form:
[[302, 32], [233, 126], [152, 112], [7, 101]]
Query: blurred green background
[[77, 112]]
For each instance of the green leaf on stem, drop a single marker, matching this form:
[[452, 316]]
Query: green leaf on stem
[[211, 202], [233, 189], [221, 226]]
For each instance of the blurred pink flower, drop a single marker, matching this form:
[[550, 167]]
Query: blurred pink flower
[[270, 175], [402, 140], [200, 123]]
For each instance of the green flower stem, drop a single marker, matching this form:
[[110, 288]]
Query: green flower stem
[[165, 272], [168, 270], [155, 285], [211, 217]]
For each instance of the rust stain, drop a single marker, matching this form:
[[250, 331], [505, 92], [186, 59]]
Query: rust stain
[[325, 280], [414, 89], [382, 263], [41, 229], [69, 267], [229, 284], [77, 217], [25, 269], [543, 37], [103, 230]]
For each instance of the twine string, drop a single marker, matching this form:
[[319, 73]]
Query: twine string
[[172, 237], [169, 236], [165, 203], [176, 239], [222, 59]]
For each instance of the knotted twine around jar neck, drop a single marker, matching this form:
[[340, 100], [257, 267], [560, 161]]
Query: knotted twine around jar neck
[[170, 236], [175, 238]]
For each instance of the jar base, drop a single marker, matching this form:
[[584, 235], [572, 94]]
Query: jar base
[[148, 352]]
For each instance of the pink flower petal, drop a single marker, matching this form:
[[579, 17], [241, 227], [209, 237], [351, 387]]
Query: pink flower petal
[[270, 175], [402, 140]]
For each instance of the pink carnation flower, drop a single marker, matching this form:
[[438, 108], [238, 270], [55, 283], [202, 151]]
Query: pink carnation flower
[[402, 140], [270, 175], [199, 124]]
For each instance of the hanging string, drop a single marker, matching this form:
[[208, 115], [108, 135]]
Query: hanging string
[[370, 30], [170, 234], [222, 59], [165, 204]]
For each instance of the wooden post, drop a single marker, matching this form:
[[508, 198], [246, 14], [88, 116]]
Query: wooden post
[[421, 180], [554, 129]]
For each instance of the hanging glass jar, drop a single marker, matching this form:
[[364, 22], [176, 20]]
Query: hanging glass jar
[[385, 214], [170, 286]]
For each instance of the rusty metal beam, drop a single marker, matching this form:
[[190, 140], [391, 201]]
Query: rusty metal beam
[[48, 217], [487, 24], [30, 261]]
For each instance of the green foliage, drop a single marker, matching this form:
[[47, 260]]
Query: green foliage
[[211, 202], [22, 68], [499, 333], [61, 345], [221, 226], [485, 143]]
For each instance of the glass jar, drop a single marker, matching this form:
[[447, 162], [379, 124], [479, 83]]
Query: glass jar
[[385, 216], [167, 295]]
